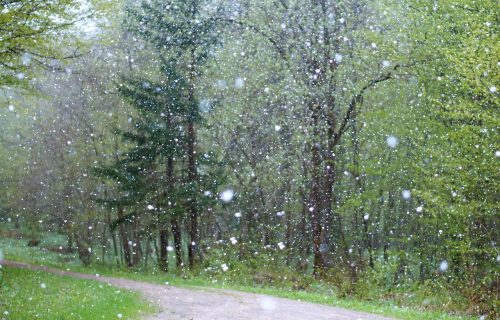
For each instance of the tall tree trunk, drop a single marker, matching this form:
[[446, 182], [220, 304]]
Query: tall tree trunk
[[163, 227], [191, 159], [163, 262], [124, 238], [315, 197], [176, 232]]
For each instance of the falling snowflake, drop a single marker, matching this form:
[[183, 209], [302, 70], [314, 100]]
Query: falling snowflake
[[443, 266], [227, 195], [392, 141], [406, 194], [239, 83]]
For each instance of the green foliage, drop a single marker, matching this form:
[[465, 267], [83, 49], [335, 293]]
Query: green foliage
[[28, 35]]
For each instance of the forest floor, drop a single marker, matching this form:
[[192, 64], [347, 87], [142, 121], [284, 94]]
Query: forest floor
[[181, 303]]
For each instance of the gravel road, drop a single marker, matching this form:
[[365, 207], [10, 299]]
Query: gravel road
[[216, 304]]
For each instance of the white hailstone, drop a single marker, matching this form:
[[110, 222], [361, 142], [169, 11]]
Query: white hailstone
[[224, 267], [493, 89], [311, 209], [237, 214], [374, 45], [392, 141], [406, 194], [227, 195], [150, 207], [283, 26], [170, 248], [239, 83], [267, 303], [43, 286], [11, 108], [281, 245], [419, 209], [207, 193], [497, 153], [277, 127], [443, 266], [280, 213], [453, 194], [366, 216], [338, 58], [342, 20], [233, 240]]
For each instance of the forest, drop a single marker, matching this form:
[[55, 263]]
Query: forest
[[340, 152]]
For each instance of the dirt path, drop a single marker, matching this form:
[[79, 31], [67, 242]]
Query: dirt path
[[216, 304]]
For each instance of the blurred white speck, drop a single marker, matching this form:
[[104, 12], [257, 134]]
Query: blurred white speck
[[11, 108], [170, 248], [224, 267], [419, 209], [119, 315], [280, 213], [406, 194], [233, 240], [237, 214], [392, 141], [150, 207], [239, 83], [277, 127], [497, 153], [366, 216], [386, 63], [338, 58], [281, 245], [227, 195], [443, 266], [43, 285], [493, 89]]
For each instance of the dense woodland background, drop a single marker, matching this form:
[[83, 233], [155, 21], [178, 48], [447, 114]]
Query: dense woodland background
[[349, 142]]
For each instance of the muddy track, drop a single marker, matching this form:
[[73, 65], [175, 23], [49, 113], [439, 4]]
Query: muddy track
[[210, 304]]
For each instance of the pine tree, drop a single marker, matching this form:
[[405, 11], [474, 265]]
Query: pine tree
[[183, 33]]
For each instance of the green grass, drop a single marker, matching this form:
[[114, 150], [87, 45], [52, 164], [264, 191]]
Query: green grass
[[26, 294], [15, 249]]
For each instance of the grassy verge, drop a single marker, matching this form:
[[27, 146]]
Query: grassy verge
[[26, 294], [15, 249]]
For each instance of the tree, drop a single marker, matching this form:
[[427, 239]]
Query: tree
[[183, 34], [28, 36]]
